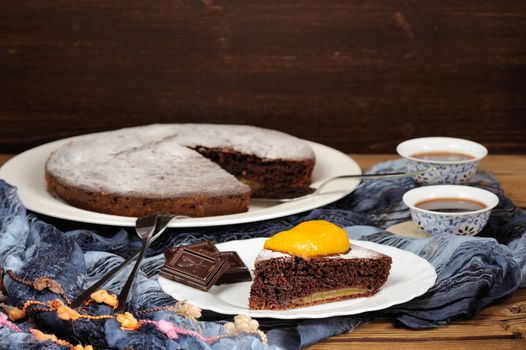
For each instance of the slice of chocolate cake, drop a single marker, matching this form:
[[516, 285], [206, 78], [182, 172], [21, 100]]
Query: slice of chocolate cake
[[285, 280]]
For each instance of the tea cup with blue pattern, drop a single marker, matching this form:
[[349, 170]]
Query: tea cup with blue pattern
[[453, 209], [441, 160]]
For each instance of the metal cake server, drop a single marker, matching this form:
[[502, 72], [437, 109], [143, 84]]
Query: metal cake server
[[316, 191]]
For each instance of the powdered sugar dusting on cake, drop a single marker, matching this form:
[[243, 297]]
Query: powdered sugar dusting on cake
[[356, 252], [156, 160], [130, 167], [263, 143]]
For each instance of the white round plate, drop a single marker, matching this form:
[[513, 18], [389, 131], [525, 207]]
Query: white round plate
[[26, 172], [410, 277]]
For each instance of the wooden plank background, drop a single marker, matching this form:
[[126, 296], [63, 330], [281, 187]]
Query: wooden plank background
[[356, 75]]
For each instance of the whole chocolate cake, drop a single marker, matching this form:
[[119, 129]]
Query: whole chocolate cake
[[185, 169], [316, 264]]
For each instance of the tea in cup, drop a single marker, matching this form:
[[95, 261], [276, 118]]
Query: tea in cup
[[441, 160], [461, 210]]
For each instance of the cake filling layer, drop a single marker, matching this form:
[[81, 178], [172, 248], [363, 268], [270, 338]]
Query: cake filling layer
[[325, 296]]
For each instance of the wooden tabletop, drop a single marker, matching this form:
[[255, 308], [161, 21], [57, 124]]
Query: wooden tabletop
[[494, 328]]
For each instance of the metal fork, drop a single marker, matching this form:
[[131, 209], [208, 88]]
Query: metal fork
[[145, 227], [159, 229]]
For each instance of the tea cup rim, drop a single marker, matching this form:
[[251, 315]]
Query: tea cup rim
[[478, 150], [489, 199]]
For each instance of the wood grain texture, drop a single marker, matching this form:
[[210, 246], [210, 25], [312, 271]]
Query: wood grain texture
[[356, 75], [457, 344], [487, 330]]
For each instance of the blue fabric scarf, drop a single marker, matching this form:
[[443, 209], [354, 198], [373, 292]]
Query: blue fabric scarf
[[472, 271]]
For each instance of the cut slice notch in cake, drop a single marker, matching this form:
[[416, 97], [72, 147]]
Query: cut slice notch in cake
[[314, 263]]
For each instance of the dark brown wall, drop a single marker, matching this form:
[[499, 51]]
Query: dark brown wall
[[356, 75]]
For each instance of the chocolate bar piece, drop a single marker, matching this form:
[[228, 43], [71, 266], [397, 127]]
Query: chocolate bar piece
[[237, 272], [205, 247], [168, 253], [194, 269]]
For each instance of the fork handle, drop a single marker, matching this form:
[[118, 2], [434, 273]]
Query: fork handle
[[160, 225], [361, 176], [122, 304], [97, 285], [370, 176]]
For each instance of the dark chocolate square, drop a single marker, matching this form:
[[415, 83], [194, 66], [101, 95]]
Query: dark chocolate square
[[237, 272], [205, 248], [194, 269], [168, 253]]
